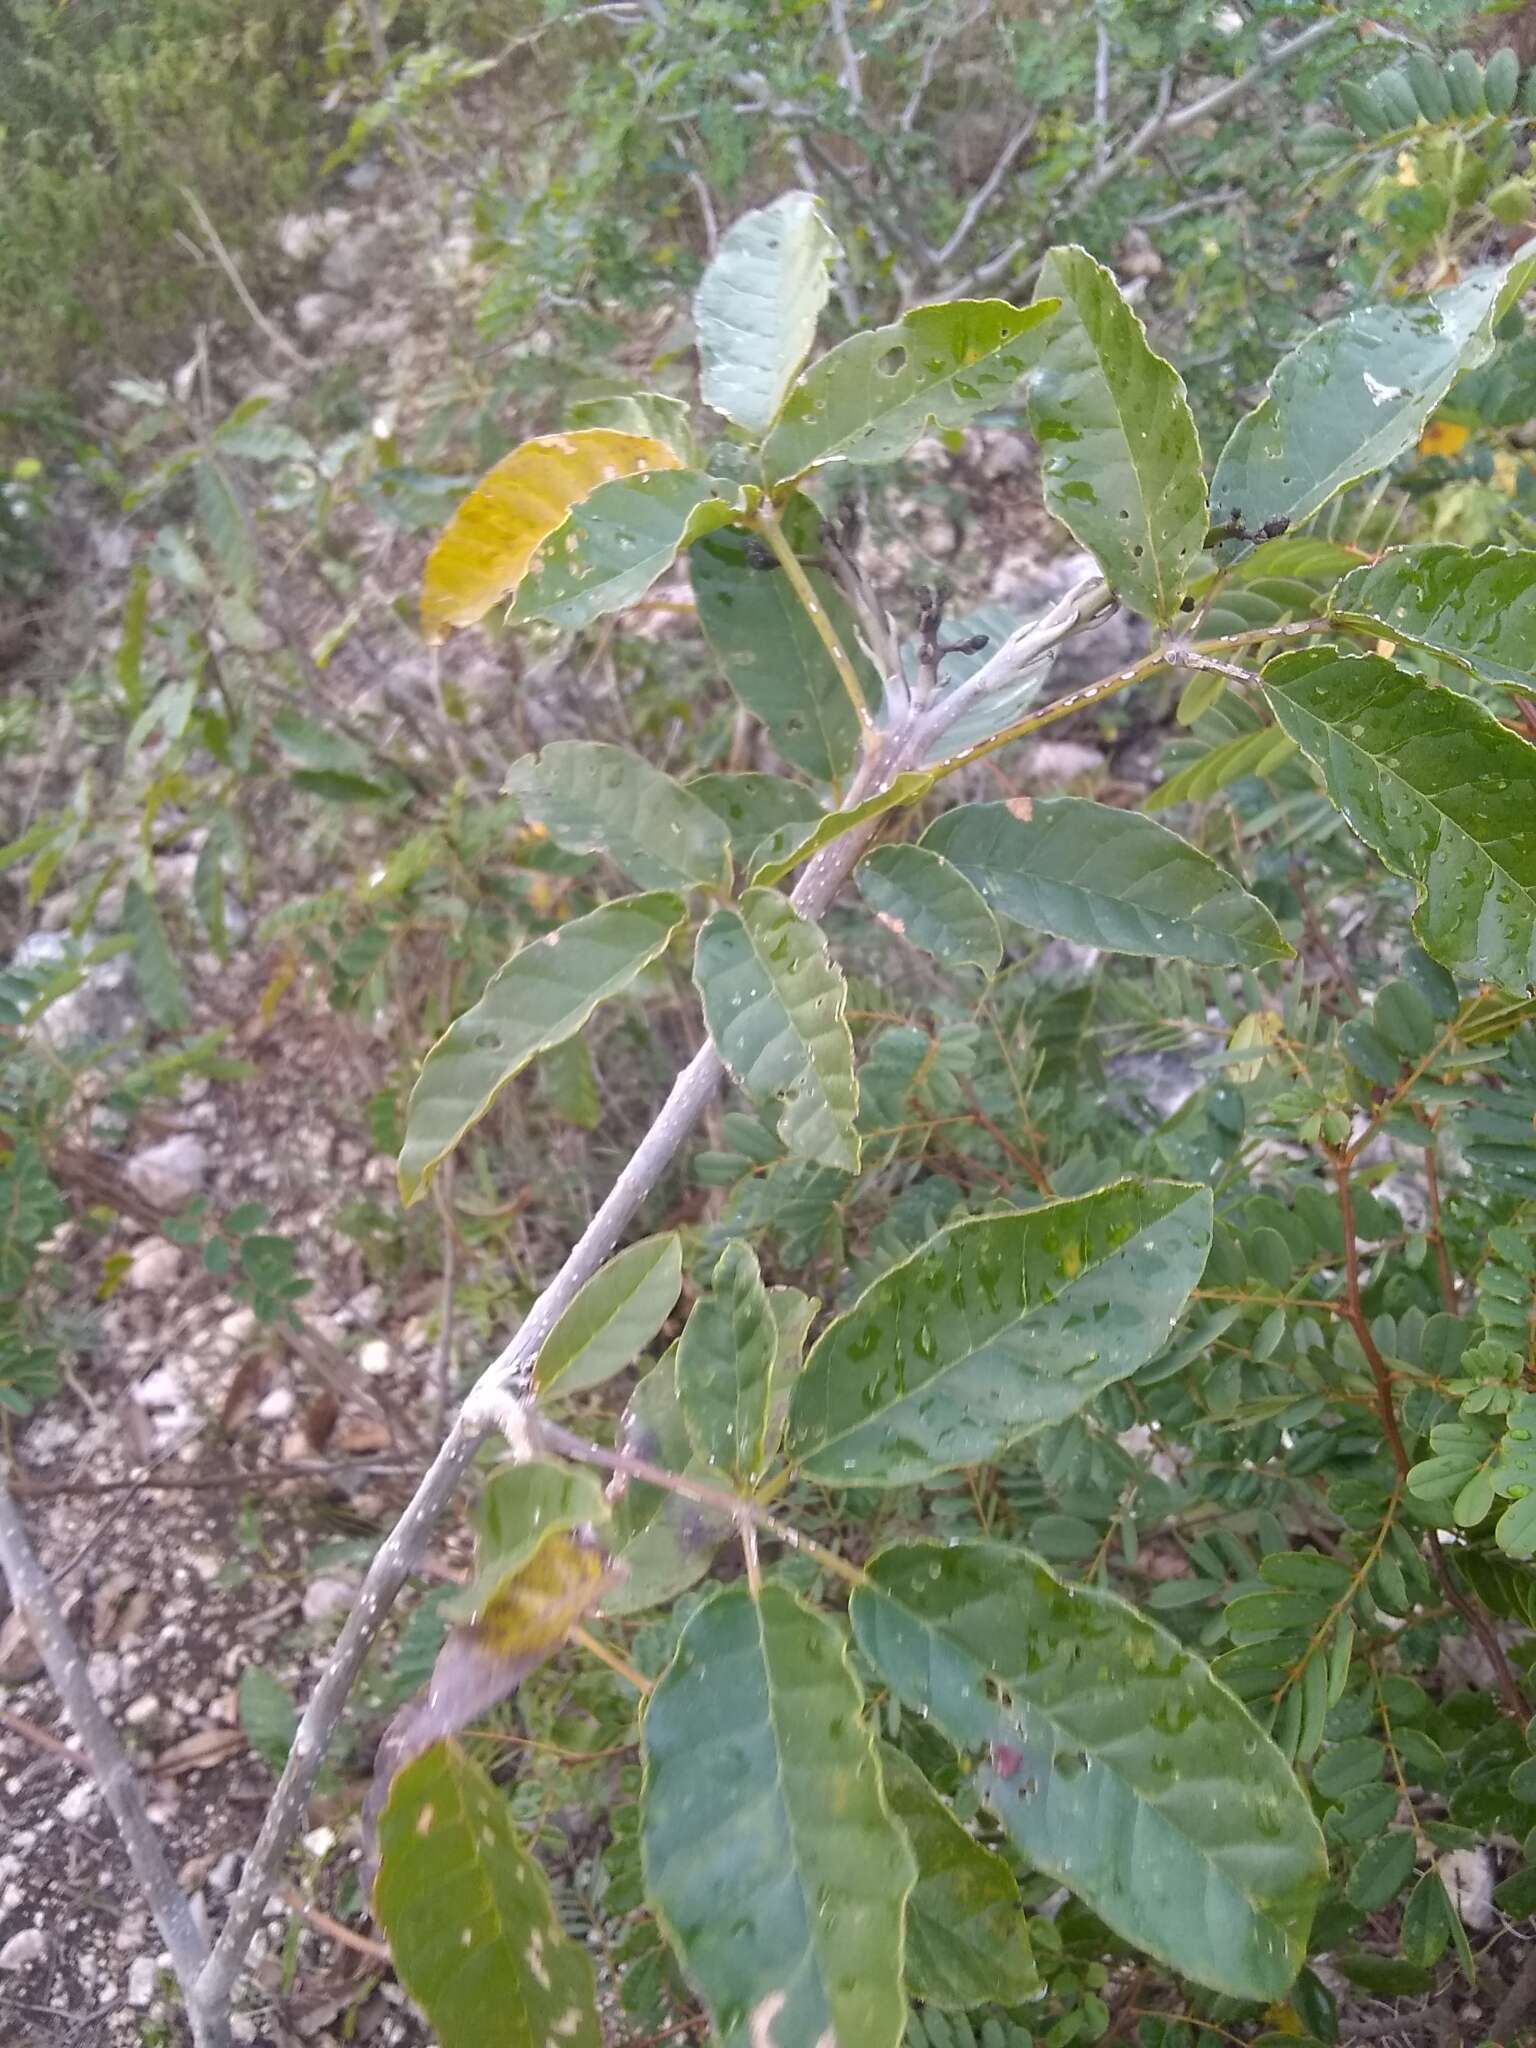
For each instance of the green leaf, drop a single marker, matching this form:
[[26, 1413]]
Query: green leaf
[[613, 1318], [1104, 877], [1474, 610], [753, 806], [610, 549], [661, 1543], [1384, 1867], [725, 1363], [471, 1923], [792, 844], [1119, 451], [1117, 1762], [226, 524], [543, 994], [154, 963], [568, 1085], [484, 552], [653, 414], [768, 1848], [1437, 788], [757, 306], [1352, 398], [997, 1327], [332, 765], [519, 1506], [591, 797], [967, 1937], [774, 1002], [871, 397], [1251, 753], [772, 655], [268, 1716], [926, 900]]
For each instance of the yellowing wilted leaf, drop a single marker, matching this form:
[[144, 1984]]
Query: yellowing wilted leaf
[[485, 551]]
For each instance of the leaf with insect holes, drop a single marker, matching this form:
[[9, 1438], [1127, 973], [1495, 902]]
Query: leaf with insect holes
[[1353, 396], [757, 306], [725, 1361], [996, 1328], [926, 900], [774, 1003], [771, 652], [1120, 457], [871, 397], [613, 1317], [768, 1847], [1437, 788], [1473, 608], [610, 549], [541, 997], [591, 797], [484, 552], [471, 1924], [1116, 1761], [967, 1937], [1105, 877]]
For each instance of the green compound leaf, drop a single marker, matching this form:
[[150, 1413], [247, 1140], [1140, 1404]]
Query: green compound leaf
[[613, 1318], [1353, 397], [725, 1362], [610, 549], [792, 844], [542, 996], [1104, 877], [774, 1005], [1120, 454], [770, 650], [1476, 610], [926, 900], [471, 1924], [1437, 788], [967, 1937], [594, 798], [997, 1327], [768, 1847], [1115, 1759], [757, 306], [871, 397], [1251, 753]]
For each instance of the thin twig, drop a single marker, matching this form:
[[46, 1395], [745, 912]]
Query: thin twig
[[606, 1654], [226, 263], [985, 193], [336, 1930], [1101, 91], [767, 524], [852, 75], [34, 1599]]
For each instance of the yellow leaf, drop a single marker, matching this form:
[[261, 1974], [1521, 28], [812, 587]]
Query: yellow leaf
[[484, 553], [1284, 2020], [535, 1608], [1443, 437]]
